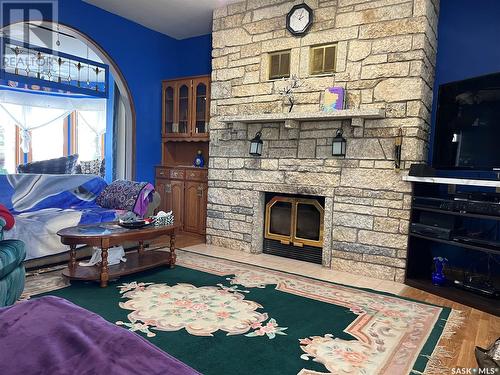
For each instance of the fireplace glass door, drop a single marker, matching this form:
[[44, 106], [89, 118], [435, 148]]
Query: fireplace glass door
[[281, 219], [294, 221], [308, 226]]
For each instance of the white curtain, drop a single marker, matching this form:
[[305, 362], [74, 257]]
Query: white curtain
[[95, 121], [29, 111], [31, 118]]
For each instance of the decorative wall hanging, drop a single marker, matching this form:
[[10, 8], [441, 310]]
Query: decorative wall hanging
[[286, 92], [27, 63], [333, 99]]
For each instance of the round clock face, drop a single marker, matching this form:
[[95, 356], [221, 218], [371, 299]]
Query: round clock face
[[299, 19]]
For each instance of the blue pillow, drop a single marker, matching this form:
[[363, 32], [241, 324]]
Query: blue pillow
[[63, 165]]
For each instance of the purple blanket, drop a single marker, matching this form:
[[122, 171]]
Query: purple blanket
[[50, 335]]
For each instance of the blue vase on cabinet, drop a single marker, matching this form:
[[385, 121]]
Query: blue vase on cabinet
[[199, 160]]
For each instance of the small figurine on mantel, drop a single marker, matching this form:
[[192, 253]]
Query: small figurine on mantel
[[287, 89], [199, 160]]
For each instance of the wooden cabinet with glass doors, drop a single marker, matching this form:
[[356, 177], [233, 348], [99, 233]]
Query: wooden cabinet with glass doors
[[183, 187], [186, 109]]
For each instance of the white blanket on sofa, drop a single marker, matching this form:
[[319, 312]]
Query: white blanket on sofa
[[38, 230]]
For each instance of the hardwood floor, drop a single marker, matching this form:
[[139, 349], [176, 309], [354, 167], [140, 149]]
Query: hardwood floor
[[182, 239], [479, 329]]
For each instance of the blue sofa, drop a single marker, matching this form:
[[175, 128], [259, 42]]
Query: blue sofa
[[43, 204], [12, 274]]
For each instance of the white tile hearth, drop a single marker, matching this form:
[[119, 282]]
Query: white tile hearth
[[298, 267]]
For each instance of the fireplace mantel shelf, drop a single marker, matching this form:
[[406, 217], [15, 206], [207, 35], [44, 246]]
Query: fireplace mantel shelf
[[292, 119]]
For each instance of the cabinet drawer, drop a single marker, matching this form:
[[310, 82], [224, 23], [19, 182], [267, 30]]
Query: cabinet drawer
[[176, 174], [171, 173], [196, 175], [161, 172]]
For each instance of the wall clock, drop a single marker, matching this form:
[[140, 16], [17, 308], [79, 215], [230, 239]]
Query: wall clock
[[299, 19]]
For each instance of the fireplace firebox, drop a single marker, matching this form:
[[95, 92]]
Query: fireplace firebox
[[293, 226]]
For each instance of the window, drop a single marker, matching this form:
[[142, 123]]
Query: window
[[46, 138], [82, 132], [47, 142], [279, 64], [323, 59]]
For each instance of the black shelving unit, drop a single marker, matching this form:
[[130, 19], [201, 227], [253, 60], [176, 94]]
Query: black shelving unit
[[423, 247], [456, 213], [485, 249]]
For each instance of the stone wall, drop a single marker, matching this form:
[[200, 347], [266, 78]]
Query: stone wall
[[385, 59]]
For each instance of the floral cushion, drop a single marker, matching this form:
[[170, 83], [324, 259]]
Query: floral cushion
[[63, 165], [96, 167]]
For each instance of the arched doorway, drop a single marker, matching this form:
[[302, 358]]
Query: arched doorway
[[123, 117]]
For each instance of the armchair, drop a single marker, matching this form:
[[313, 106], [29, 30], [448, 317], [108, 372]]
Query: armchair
[[12, 274]]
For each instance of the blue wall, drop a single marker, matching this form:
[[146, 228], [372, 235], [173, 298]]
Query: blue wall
[[468, 34], [196, 55], [145, 57]]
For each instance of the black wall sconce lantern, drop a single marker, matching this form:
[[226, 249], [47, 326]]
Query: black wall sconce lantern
[[256, 145], [398, 141], [339, 144]]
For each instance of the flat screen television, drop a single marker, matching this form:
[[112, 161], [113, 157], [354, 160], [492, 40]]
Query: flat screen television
[[467, 132]]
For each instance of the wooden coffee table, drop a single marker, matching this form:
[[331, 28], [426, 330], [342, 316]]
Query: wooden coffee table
[[106, 235]]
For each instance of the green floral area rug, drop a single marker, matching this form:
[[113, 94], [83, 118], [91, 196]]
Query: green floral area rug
[[224, 317]]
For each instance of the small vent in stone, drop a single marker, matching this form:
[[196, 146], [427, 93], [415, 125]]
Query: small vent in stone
[[323, 59], [279, 64]]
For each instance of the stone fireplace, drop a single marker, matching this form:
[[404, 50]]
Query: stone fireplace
[[385, 62]]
